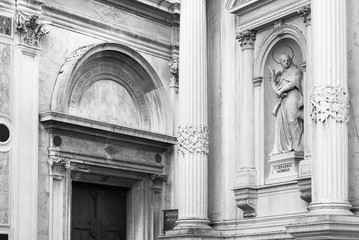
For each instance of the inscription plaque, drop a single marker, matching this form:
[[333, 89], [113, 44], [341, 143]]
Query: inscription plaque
[[284, 167], [169, 219]]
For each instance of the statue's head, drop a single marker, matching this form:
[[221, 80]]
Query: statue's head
[[285, 60]]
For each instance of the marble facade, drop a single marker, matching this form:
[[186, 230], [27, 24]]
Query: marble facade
[[172, 101]]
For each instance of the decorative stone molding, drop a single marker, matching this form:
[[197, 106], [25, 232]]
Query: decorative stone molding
[[30, 30], [246, 38], [305, 188], [246, 200], [174, 69], [329, 101], [305, 12], [193, 139], [79, 52], [58, 166]]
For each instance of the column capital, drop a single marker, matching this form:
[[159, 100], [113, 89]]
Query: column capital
[[30, 30], [305, 12], [329, 101], [58, 166], [246, 38]]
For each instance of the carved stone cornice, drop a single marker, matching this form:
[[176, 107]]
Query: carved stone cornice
[[305, 12], [58, 166], [193, 139], [30, 29], [174, 69], [329, 101], [246, 38], [246, 200]]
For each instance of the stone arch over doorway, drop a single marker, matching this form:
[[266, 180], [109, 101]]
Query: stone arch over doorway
[[112, 83], [108, 123]]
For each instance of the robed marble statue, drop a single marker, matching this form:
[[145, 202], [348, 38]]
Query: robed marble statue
[[289, 108]]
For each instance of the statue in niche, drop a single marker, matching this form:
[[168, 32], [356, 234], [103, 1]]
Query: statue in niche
[[289, 108]]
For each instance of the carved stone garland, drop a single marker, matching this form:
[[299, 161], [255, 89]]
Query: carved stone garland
[[329, 101], [58, 166], [30, 30], [193, 139]]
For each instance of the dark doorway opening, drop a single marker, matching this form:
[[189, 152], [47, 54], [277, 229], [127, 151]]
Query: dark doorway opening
[[98, 212]]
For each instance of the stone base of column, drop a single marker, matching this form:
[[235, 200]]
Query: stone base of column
[[192, 225], [190, 236], [320, 227], [332, 208]]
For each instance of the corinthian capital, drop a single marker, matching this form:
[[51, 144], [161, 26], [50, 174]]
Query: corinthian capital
[[30, 30], [305, 12], [246, 38]]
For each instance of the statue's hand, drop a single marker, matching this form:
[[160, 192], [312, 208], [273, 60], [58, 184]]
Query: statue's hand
[[281, 94]]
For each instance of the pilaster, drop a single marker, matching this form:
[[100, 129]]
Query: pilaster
[[247, 173], [246, 177], [26, 125], [305, 165], [58, 171]]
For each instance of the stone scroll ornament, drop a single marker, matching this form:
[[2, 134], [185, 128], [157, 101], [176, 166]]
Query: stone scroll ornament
[[192, 139], [329, 101]]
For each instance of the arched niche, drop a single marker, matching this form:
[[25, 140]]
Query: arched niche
[[278, 47], [112, 83]]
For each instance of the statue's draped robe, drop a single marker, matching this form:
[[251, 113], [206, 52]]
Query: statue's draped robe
[[289, 120]]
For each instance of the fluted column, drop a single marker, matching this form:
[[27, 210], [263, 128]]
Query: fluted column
[[193, 122], [329, 109], [247, 174]]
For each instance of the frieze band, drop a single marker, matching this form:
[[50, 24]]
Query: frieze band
[[193, 139], [329, 101]]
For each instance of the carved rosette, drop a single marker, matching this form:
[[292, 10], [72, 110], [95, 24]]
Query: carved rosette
[[329, 101], [246, 38], [30, 30], [305, 12], [58, 166], [174, 70], [193, 139]]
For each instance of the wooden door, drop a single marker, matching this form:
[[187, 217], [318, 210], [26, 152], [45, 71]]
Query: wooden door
[[98, 212]]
